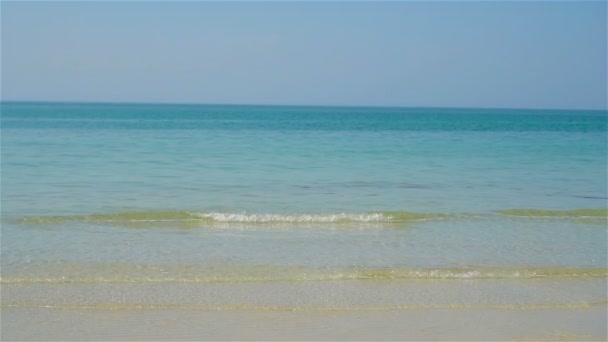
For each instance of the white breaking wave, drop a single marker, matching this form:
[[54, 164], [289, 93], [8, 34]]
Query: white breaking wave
[[293, 218]]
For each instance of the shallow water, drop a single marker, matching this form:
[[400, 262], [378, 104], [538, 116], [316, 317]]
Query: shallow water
[[270, 207]]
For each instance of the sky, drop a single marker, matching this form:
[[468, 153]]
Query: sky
[[550, 54]]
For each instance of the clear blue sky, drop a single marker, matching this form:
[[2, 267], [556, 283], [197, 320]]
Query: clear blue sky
[[441, 54]]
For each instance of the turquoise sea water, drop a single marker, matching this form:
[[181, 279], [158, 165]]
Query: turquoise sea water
[[144, 193]]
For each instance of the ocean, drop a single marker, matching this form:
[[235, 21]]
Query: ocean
[[274, 208]]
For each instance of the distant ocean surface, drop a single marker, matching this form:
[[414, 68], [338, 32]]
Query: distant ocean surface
[[182, 195]]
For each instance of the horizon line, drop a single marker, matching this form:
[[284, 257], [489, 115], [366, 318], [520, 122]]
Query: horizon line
[[290, 105]]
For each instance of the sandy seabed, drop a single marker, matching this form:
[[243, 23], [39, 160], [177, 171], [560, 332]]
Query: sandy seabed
[[488, 309], [32, 324]]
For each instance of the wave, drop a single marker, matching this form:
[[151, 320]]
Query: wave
[[249, 218], [193, 219], [121, 273]]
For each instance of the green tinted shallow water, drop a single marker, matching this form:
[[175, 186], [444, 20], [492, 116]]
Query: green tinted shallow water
[[209, 218], [220, 217], [245, 194], [576, 213]]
